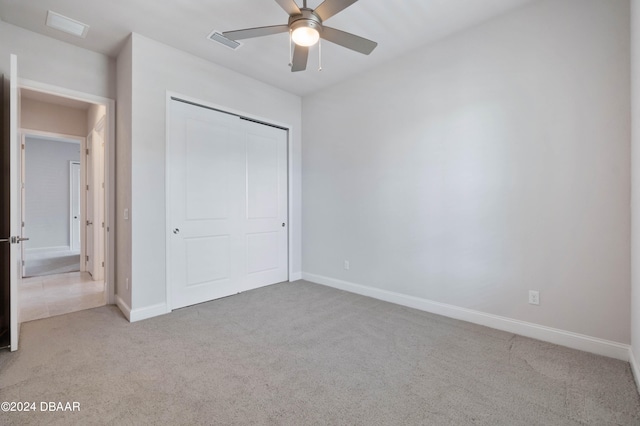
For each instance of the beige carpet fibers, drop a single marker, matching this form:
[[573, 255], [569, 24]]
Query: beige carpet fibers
[[301, 354]]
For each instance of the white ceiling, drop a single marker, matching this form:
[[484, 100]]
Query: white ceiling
[[398, 27]]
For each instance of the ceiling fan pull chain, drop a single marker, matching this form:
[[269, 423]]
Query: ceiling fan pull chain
[[319, 55], [290, 49]]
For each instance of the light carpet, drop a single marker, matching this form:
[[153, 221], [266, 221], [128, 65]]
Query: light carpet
[[298, 354]]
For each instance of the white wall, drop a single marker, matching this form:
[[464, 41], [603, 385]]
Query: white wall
[[43, 116], [123, 173], [157, 69], [54, 62], [635, 167], [484, 165], [47, 202]]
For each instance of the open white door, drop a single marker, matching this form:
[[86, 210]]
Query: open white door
[[74, 208], [89, 221], [95, 206], [15, 204], [97, 154]]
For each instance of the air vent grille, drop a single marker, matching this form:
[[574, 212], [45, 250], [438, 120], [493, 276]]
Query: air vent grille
[[219, 38]]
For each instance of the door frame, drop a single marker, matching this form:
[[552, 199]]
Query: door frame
[[109, 168], [167, 176], [99, 212], [26, 132]]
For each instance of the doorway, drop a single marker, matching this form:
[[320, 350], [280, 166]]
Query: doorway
[[63, 205], [49, 192]]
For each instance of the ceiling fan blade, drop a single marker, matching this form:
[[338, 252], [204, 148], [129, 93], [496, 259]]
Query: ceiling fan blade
[[255, 32], [328, 8], [300, 56], [289, 6], [348, 40]]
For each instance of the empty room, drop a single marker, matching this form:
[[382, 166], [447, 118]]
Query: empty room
[[323, 212]]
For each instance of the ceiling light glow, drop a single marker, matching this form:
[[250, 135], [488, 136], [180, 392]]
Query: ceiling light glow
[[305, 36]]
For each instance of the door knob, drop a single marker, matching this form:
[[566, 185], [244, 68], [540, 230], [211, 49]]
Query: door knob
[[176, 231], [16, 240], [89, 223], [283, 224]]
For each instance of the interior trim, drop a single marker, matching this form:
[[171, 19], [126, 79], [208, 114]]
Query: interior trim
[[547, 334]]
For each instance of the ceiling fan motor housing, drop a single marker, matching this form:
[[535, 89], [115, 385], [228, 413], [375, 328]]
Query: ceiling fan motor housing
[[305, 19]]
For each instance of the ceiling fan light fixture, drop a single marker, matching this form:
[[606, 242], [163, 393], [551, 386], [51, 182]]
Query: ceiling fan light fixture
[[305, 35], [305, 28]]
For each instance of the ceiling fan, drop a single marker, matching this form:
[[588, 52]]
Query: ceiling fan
[[306, 28]]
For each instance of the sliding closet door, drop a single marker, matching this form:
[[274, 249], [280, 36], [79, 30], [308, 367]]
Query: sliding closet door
[[265, 215], [227, 204]]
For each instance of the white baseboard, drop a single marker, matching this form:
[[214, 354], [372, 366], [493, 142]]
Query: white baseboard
[[552, 335], [126, 310], [295, 276], [40, 250], [635, 368], [149, 312]]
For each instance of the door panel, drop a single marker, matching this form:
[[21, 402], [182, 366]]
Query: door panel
[[261, 255], [5, 218], [262, 177], [75, 206], [15, 161], [208, 259], [267, 201], [208, 147], [90, 219], [97, 185], [205, 180], [226, 205]]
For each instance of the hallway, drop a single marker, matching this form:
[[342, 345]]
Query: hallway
[[51, 295]]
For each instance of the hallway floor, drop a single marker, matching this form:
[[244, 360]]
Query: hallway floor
[[51, 262], [51, 295]]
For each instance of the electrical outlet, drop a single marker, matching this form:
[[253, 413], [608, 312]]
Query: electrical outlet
[[534, 297], [346, 265]]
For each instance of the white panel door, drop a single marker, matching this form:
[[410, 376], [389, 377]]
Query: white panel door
[[266, 233], [225, 205], [15, 180], [89, 246], [74, 195], [96, 184]]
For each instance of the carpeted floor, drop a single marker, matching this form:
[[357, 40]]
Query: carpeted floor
[[298, 354]]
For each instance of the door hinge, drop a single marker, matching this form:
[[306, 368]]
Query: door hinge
[[22, 146], [103, 264], [87, 258], [87, 187], [23, 263], [103, 224], [87, 151], [23, 224]]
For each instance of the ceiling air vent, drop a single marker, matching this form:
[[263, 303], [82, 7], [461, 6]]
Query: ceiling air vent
[[66, 24], [219, 38]]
